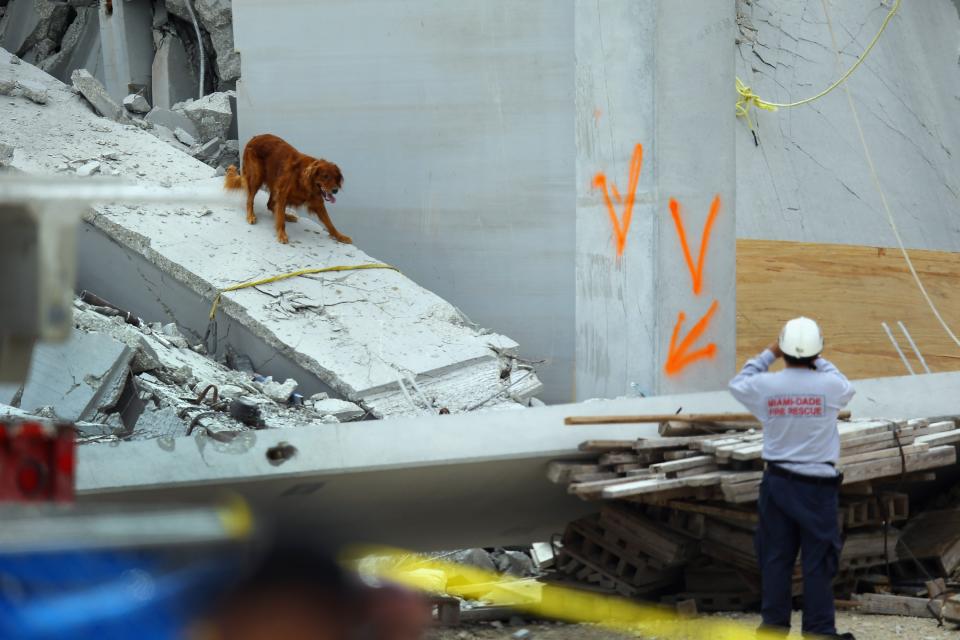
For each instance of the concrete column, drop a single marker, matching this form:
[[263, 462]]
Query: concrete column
[[126, 36], [654, 135]]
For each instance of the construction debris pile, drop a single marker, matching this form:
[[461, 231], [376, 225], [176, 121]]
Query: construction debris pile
[[119, 377], [679, 517], [137, 63]]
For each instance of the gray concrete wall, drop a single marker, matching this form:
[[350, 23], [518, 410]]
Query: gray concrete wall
[[808, 180], [453, 125], [635, 62]]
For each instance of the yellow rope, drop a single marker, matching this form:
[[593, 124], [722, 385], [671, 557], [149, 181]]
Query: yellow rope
[[749, 99], [883, 197], [293, 274]]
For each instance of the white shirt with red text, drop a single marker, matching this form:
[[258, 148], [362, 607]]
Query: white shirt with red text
[[798, 408]]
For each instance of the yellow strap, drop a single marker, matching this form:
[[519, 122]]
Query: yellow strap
[[293, 274], [749, 99]]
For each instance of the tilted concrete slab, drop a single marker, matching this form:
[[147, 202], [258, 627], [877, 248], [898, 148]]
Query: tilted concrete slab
[[427, 483], [373, 336]]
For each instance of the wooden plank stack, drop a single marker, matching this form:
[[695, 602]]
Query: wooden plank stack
[[677, 514]]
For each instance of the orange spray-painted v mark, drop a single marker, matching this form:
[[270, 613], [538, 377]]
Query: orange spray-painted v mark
[[622, 226], [696, 272], [678, 357]]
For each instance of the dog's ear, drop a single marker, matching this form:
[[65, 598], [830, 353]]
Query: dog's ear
[[312, 171]]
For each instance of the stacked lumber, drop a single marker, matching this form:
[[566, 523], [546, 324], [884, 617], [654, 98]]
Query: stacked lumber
[[677, 514]]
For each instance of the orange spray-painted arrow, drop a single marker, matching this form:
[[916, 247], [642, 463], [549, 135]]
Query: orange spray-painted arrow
[[696, 272], [621, 227], [678, 358]]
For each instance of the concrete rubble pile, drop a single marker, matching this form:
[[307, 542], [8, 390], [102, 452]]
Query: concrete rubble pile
[[678, 513], [371, 337], [121, 378], [139, 62]]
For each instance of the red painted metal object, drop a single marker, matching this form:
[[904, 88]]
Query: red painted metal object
[[37, 462]]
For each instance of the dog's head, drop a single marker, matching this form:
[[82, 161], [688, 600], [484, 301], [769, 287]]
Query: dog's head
[[324, 179]]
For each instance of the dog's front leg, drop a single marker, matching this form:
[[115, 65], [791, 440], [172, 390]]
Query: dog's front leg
[[318, 208]]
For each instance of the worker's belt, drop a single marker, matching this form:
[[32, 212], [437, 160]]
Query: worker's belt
[[777, 470]]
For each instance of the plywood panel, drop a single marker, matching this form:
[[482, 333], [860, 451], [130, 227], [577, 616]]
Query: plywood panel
[[850, 290]]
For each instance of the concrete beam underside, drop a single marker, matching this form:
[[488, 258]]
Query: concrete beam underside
[[426, 483]]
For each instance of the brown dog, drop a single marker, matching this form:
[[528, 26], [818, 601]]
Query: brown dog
[[292, 178]]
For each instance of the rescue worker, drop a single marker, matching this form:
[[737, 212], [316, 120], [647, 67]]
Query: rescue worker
[[798, 407]]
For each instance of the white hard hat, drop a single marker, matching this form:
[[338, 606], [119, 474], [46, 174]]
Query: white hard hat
[[801, 338]]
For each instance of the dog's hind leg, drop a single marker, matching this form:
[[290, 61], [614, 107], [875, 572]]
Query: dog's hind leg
[[253, 176]]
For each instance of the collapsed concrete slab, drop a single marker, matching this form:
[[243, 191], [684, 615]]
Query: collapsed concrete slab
[[171, 120], [79, 49], [32, 28], [481, 482], [370, 336]]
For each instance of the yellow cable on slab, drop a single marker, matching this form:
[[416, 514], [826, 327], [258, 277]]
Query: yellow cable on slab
[[293, 274], [749, 99], [879, 183]]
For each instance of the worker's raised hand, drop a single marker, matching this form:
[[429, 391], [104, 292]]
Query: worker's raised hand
[[775, 349]]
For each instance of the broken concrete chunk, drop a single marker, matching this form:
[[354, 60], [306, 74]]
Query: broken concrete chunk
[[96, 94], [474, 558], [184, 137], [209, 150], [160, 14], [136, 103], [88, 169], [513, 562], [33, 91], [344, 411], [14, 60], [279, 392], [171, 120], [6, 155], [77, 378], [8, 86], [211, 115]]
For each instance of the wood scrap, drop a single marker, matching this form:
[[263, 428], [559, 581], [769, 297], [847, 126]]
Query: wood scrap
[[667, 417]]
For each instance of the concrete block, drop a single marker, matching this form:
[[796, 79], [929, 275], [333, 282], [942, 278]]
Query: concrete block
[[126, 36], [160, 423], [171, 120], [33, 91], [160, 14], [76, 378], [79, 49], [341, 409], [88, 168], [136, 103], [173, 79], [8, 86], [184, 137], [96, 94], [279, 392], [211, 115], [209, 150]]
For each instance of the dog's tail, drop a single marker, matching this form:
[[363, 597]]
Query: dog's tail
[[233, 179]]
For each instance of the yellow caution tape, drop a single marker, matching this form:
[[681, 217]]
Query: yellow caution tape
[[749, 99], [542, 599], [293, 274]]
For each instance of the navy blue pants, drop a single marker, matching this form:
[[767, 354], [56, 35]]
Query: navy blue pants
[[796, 515]]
